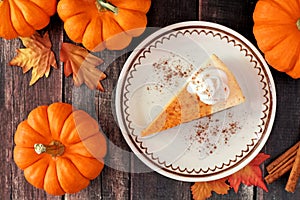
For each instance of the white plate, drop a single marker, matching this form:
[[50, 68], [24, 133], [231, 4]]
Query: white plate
[[209, 148]]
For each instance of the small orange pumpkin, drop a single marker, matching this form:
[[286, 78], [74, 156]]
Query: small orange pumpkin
[[99, 24], [23, 18], [59, 149], [277, 31]]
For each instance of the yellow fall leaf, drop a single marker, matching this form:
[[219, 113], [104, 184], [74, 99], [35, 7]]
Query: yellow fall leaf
[[37, 55], [203, 190]]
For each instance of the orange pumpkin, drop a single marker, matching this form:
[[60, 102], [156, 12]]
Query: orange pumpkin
[[22, 18], [277, 31], [99, 24], [59, 149]]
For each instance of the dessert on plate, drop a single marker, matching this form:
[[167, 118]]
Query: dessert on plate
[[212, 88]]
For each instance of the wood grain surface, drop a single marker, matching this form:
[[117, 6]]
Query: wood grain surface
[[120, 178]]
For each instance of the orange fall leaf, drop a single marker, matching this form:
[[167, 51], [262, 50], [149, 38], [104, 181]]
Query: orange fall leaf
[[79, 62], [250, 174], [37, 55]]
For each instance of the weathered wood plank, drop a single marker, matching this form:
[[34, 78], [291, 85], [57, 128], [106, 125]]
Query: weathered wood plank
[[163, 12], [233, 14], [116, 177], [113, 183], [6, 127], [244, 193], [285, 132], [22, 100], [148, 184], [83, 98]]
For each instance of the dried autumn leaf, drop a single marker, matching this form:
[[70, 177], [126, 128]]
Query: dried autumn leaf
[[203, 190], [82, 64], [250, 174], [37, 55]]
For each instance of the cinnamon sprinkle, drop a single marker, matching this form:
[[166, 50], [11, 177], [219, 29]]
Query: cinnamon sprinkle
[[168, 69], [211, 128]]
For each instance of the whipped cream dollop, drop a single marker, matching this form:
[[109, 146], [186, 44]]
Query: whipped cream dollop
[[210, 84]]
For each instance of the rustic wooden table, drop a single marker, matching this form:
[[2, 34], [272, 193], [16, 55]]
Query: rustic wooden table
[[17, 99]]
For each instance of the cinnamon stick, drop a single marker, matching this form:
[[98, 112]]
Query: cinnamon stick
[[291, 152], [282, 164], [282, 169], [294, 175]]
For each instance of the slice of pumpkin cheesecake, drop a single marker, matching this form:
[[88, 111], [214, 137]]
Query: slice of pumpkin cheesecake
[[212, 88]]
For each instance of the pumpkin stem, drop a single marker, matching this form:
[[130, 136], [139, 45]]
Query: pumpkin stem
[[298, 24], [55, 148], [103, 5]]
